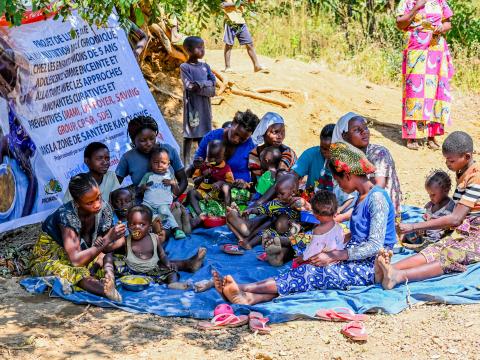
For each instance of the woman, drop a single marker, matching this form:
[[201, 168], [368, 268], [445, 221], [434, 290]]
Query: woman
[[238, 144], [372, 227], [78, 238], [427, 70], [353, 129]]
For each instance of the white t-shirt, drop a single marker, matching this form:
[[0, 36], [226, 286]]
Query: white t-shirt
[[157, 193], [109, 183], [332, 240]]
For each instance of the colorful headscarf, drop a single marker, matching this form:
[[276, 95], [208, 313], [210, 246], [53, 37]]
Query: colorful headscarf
[[269, 119], [346, 158], [341, 126]]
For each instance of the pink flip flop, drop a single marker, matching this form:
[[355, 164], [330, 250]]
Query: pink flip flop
[[232, 249], [339, 314], [258, 324], [262, 256], [223, 321], [355, 330]]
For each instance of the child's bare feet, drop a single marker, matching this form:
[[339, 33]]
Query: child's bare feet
[[391, 276], [203, 285], [386, 256], [110, 290], [196, 261], [177, 285], [273, 248], [218, 283], [232, 292]]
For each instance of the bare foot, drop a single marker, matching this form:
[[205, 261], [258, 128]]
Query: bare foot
[[391, 276], [203, 285], [378, 270], [110, 290], [196, 261], [218, 283], [273, 248], [244, 244], [177, 285], [232, 292], [262, 69]]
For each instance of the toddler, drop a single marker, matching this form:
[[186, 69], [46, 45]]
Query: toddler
[[145, 254], [199, 86], [438, 186], [212, 179], [269, 161], [121, 200], [158, 187]]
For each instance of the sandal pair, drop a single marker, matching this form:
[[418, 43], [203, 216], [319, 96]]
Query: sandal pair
[[256, 322], [354, 330]]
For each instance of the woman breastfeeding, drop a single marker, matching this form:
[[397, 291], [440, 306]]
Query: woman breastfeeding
[[270, 133], [372, 227], [77, 240]]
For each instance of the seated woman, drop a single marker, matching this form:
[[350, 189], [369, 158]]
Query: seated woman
[[454, 253], [372, 226], [78, 238], [270, 132], [353, 129]]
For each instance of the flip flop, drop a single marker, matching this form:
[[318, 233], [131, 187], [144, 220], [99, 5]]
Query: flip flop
[[258, 324], [339, 314], [355, 330], [262, 256], [223, 321], [232, 249]]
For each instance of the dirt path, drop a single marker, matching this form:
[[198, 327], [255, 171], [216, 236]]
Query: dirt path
[[33, 327]]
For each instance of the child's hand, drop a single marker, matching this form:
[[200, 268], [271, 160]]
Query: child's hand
[[241, 184], [99, 243], [426, 217], [218, 185], [168, 182], [193, 86], [171, 266]]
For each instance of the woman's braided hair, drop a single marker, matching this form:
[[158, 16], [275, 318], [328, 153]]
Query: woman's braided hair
[[81, 184], [140, 123]]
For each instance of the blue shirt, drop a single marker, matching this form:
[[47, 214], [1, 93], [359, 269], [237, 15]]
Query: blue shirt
[[310, 164], [137, 164], [238, 162]]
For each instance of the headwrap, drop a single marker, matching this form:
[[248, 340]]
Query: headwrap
[[269, 119], [342, 127], [346, 158]]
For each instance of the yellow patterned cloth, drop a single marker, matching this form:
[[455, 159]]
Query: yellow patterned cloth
[[50, 259]]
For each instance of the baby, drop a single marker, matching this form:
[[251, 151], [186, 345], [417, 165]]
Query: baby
[[158, 187], [212, 178], [121, 200], [438, 186], [269, 161], [145, 254]]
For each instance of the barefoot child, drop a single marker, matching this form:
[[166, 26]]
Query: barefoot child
[[97, 158], [212, 179], [145, 254], [159, 187], [236, 27], [438, 186], [455, 253], [199, 86]]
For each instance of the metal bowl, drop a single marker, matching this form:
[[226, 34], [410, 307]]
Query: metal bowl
[[135, 282]]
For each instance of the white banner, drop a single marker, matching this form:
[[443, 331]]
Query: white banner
[[63, 85]]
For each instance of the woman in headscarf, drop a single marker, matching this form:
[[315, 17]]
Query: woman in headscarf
[[353, 129], [372, 227], [270, 133]]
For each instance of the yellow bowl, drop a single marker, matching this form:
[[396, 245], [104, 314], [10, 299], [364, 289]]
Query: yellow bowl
[[135, 282]]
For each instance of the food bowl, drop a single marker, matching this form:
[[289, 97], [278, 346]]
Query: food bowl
[[8, 191], [135, 282], [214, 221]]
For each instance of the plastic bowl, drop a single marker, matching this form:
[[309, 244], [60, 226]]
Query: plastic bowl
[[135, 282], [214, 221], [5, 169]]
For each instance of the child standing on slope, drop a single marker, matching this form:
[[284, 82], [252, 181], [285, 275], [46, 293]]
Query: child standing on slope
[[199, 86]]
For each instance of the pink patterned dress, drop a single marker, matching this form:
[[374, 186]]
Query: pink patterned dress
[[427, 70]]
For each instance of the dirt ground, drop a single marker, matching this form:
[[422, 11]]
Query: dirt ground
[[33, 327]]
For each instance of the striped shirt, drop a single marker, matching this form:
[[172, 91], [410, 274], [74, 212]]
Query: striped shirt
[[468, 189]]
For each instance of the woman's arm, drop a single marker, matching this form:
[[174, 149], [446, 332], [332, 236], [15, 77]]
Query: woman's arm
[[404, 21], [71, 244], [182, 180], [455, 219], [443, 28]]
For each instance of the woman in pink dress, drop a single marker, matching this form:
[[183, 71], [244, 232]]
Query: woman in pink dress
[[427, 70]]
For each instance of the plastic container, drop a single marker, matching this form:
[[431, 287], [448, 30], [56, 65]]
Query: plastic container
[[135, 282], [214, 221]]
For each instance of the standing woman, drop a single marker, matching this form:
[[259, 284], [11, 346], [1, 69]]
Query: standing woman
[[427, 69]]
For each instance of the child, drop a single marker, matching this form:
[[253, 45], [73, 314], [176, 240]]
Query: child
[[456, 252], [121, 200], [326, 236], [145, 254], [269, 161], [143, 131], [199, 87], [236, 27], [438, 186], [212, 179], [157, 187], [97, 158]]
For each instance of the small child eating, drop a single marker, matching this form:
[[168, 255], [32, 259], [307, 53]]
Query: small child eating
[[438, 186], [121, 200], [269, 161], [145, 254], [212, 178], [158, 188]]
